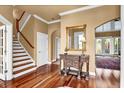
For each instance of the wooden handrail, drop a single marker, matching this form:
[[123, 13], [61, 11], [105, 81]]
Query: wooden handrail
[[21, 16], [26, 40], [17, 28]]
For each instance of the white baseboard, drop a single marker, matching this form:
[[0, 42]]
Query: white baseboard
[[49, 62], [92, 73]]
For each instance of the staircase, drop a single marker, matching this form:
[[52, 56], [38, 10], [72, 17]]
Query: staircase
[[22, 62]]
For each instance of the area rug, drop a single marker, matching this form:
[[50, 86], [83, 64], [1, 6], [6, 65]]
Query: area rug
[[108, 62]]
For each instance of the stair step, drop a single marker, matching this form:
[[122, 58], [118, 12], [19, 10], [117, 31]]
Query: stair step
[[21, 60], [23, 67], [16, 45], [19, 52], [22, 70], [18, 48], [19, 56], [22, 64], [15, 39]]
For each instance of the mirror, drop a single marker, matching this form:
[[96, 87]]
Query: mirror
[[76, 38]]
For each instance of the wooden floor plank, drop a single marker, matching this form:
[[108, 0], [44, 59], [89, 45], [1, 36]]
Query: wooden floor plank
[[48, 76]]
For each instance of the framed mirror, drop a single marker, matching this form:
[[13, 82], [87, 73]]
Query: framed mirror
[[76, 38]]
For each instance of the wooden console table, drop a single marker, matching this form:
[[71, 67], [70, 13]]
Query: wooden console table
[[75, 61]]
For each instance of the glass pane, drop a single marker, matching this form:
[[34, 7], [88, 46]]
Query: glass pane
[[106, 46], [117, 46], [1, 61], [117, 25], [107, 26], [0, 33], [78, 40], [1, 70], [98, 46], [99, 29], [113, 25]]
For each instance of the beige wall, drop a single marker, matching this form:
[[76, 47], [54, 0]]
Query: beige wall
[[92, 18], [7, 12], [30, 32], [53, 31], [39, 27]]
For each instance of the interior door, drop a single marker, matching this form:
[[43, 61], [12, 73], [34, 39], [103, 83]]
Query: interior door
[[2, 54], [42, 49]]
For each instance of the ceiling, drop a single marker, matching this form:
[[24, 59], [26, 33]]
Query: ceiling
[[48, 12]]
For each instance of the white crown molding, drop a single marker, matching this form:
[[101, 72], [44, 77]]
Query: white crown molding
[[55, 21], [4, 20], [45, 21], [79, 9], [41, 19]]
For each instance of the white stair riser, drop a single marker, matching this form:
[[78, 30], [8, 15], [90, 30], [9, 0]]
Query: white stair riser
[[17, 47], [19, 54], [22, 62], [22, 67], [16, 44], [20, 58], [18, 50], [25, 72]]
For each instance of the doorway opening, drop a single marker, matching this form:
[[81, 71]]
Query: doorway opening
[[107, 52]]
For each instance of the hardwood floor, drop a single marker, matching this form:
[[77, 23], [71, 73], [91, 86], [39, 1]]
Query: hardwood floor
[[48, 76]]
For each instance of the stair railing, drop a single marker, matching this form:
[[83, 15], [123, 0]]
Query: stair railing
[[20, 33]]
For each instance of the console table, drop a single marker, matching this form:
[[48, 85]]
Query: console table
[[75, 61]]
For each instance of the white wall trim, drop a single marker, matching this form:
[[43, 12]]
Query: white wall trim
[[79, 9], [45, 21], [41, 19], [29, 16], [55, 21], [122, 48], [92, 73], [8, 40], [4, 20]]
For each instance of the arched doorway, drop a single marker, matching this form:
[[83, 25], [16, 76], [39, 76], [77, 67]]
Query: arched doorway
[[107, 50], [55, 46]]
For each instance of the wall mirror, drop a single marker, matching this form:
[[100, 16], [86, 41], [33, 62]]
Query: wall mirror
[[76, 38]]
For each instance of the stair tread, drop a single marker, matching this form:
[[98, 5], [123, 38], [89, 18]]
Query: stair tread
[[19, 56], [22, 70], [22, 60], [22, 64], [19, 52], [18, 48]]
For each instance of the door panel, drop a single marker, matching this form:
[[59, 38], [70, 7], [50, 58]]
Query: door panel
[[42, 49]]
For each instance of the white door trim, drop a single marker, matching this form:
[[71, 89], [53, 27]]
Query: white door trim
[[8, 57], [122, 48]]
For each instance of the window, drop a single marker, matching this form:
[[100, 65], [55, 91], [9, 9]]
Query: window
[[108, 45], [113, 25]]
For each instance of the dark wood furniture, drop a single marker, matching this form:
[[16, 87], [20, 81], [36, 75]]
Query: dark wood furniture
[[75, 61]]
